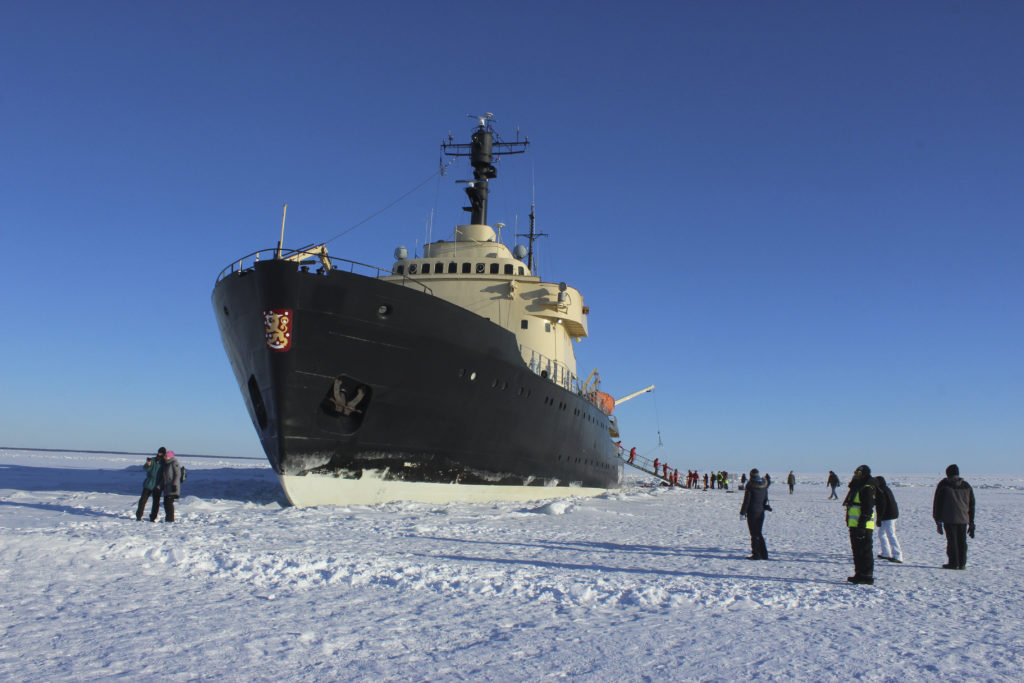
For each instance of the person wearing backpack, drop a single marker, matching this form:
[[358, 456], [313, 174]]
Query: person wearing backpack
[[152, 469], [169, 482]]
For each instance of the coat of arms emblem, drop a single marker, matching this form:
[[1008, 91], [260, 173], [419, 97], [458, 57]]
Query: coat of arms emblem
[[277, 323]]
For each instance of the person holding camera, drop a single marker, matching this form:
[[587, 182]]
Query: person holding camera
[[755, 502], [152, 469]]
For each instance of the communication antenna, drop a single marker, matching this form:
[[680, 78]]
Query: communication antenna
[[531, 236]]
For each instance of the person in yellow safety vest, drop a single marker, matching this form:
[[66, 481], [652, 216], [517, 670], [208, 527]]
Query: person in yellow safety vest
[[860, 519]]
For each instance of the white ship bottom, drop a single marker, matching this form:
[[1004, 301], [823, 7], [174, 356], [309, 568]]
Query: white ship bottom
[[321, 489]]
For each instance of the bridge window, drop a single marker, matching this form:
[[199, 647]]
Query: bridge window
[[453, 267], [399, 270], [494, 269], [525, 324], [522, 271], [412, 269], [508, 269], [438, 267], [466, 268], [426, 268]]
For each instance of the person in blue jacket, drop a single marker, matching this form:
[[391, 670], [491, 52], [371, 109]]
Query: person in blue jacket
[[152, 469], [755, 502]]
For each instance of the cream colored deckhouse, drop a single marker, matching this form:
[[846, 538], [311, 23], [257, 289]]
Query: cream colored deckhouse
[[480, 274]]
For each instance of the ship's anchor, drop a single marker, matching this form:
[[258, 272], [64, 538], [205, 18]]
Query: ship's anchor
[[340, 403]]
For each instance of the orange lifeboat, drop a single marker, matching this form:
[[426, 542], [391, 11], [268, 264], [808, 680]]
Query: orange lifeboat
[[603, 401]]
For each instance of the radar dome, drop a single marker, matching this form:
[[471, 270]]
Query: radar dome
[[401, 253], [519, 252]]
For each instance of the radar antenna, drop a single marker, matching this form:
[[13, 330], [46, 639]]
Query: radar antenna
[[485, 148]]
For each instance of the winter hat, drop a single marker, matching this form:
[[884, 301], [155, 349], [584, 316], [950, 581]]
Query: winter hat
[[864, 470], [952, 471], [161, 450], [754, 473], [169, 454]]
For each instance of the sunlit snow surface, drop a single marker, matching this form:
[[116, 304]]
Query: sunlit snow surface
[[639, 584]]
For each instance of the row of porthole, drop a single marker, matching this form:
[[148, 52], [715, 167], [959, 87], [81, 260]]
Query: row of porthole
[[503, 385], [495, 383], [550, 401], [589, 418], [590, 462], [453, 268]]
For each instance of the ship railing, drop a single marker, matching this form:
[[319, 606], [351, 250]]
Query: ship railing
[[550, 369], [246, 263]]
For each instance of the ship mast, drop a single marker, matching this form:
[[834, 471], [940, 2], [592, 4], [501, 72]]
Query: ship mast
[[483, 149], [531, 236]]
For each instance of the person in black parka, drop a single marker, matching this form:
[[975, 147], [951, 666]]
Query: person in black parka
[[953, 512], [755, 502], [833, 482]]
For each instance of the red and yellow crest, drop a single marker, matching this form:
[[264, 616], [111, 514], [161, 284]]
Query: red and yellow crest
[[277, 323]]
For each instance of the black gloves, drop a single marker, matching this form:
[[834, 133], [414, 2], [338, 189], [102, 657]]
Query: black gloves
[[767, 507], [970, 530], [938, 527]]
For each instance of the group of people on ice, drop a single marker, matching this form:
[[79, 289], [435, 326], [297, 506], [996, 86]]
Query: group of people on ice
[[719, 480], [871, 504]]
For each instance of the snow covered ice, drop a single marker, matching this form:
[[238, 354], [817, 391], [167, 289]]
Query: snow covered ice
[[638, 584]]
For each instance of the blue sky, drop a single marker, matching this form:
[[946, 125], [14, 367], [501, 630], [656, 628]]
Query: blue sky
[[802, 221]]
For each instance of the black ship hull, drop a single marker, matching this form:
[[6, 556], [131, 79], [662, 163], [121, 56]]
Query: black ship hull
[[369, 375]]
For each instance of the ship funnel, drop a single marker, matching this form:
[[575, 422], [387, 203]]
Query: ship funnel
[[474, 233]]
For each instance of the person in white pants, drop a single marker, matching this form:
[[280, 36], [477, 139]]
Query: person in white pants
[[888, 512]]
